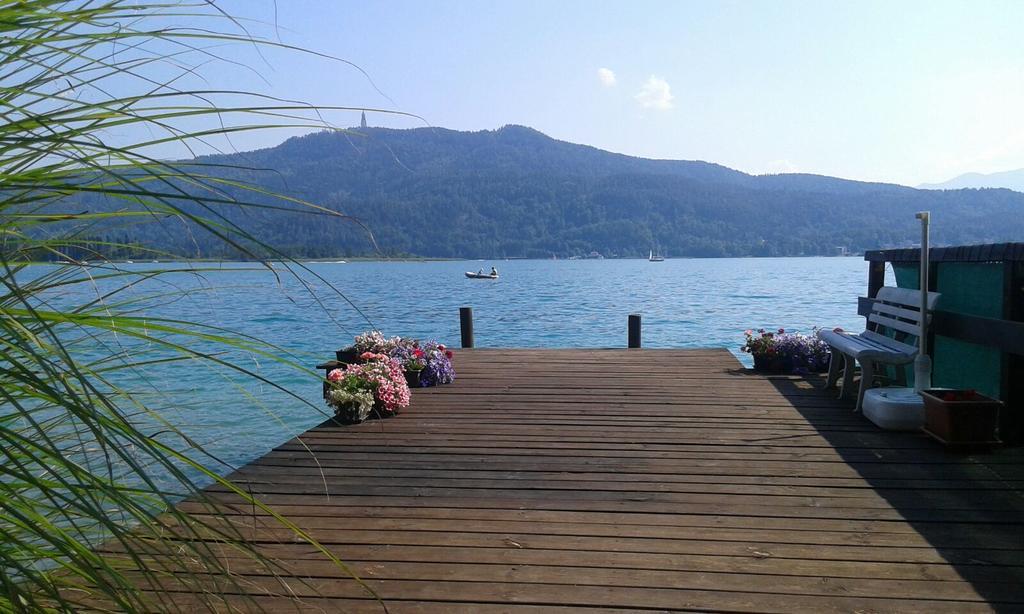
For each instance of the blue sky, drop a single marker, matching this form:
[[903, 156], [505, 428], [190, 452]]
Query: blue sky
[[907, 92]]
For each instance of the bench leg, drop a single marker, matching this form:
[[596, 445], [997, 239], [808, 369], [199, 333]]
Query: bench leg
[[867, 380], [833, 369], [849, 366]]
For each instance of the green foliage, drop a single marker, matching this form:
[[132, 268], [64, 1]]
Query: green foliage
[[90, 469]]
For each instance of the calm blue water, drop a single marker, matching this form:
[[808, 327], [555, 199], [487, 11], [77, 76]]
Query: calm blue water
[[684, 303]]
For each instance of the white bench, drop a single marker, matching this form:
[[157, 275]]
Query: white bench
[[891, 338]]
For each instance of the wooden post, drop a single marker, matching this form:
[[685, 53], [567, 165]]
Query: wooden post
[[876, 277], [634, 331], [466, 325], [1011, 427]]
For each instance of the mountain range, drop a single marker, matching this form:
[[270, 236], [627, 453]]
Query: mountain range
[[515, 192], [1011, 180]]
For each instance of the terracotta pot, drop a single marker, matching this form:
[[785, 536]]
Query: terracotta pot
[[961, 417]]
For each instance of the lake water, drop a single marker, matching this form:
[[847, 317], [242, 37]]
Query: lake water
[[580, 303]]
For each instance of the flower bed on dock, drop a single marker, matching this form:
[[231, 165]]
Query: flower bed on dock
[[427, 363], [782, 352]]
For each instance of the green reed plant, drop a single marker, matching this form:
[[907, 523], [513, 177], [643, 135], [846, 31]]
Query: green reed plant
[[90, 469]]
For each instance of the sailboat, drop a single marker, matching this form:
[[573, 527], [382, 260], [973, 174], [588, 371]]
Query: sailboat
[[655, 257]]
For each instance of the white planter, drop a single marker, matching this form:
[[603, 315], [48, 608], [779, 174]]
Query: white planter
[[894, 409]]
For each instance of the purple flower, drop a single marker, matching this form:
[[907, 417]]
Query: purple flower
[[799, 353], [439, 369]]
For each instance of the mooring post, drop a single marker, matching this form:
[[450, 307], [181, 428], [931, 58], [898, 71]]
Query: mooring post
[[634, 330], [466, 324]]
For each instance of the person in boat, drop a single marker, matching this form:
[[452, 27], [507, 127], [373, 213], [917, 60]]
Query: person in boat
[[480, 272], [494, 272]]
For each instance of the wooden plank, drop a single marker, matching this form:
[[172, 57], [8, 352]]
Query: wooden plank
[[607, 480]]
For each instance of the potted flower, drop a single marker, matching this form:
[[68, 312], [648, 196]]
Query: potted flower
[[802, 354], [961, 417], [376, 385], [372, 341], [438, 369], [413, 360], [762, 348], [350, 394], [782, 352]]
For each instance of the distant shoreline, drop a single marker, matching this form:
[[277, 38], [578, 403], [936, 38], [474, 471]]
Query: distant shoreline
[[362, 259]]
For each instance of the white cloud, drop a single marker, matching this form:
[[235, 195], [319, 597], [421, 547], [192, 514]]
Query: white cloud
[[655, 94], [606, 76]]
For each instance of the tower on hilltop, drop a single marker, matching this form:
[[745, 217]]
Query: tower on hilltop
[[362, 122]]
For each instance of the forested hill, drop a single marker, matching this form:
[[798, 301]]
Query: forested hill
[[516, 192]]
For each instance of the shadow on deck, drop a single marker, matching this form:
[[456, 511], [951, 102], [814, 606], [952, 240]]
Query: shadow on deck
[[968, 506]]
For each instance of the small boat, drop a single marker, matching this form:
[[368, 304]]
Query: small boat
[[655, 257], [472, 275]]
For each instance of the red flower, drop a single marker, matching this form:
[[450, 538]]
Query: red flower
[[418, 353], [448, 353]]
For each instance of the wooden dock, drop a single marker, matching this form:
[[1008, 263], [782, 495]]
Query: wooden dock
[[627, 480]]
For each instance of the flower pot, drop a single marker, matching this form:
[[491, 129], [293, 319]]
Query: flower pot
[[768, 364], [413, 378], [380, 413], [348, 414], [961, 417], [348, 355]]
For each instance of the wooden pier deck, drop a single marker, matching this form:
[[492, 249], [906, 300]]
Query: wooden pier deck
[[631, 480]]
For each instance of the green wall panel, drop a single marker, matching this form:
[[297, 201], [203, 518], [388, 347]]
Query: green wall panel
[[974, 288], [906, 276]]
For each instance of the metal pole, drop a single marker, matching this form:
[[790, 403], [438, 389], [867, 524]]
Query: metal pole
[[466, 326], [634, 330], [923, 362]]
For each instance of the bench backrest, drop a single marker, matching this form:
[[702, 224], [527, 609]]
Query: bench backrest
[[895, 317]]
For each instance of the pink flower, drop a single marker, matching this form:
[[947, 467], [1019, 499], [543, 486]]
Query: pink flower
[[335, 375]]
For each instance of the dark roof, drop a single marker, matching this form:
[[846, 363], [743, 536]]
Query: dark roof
[[990, 252]]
